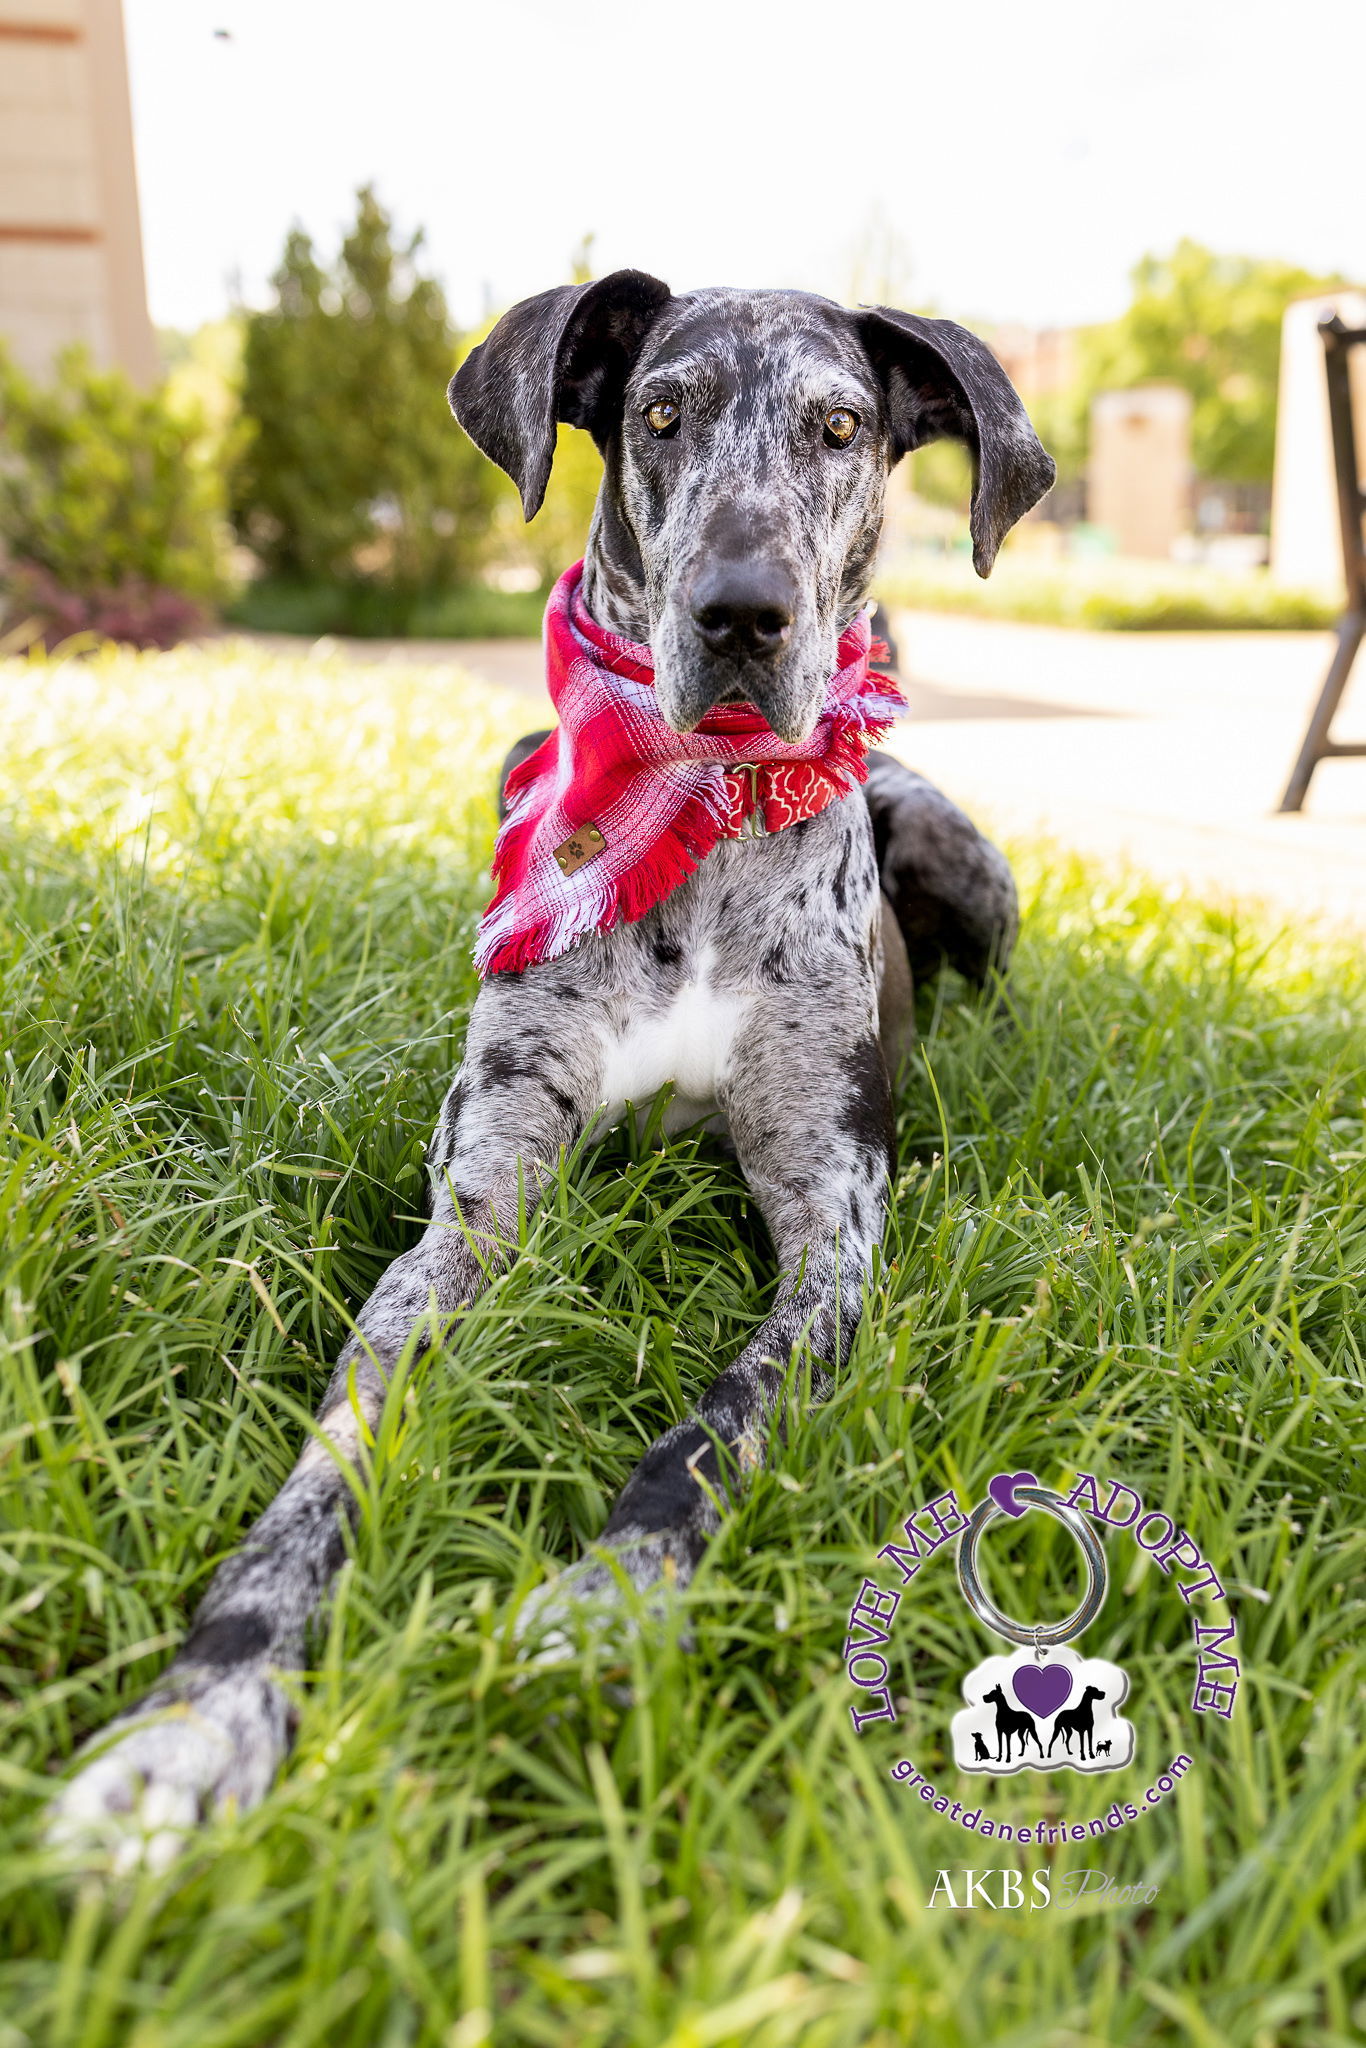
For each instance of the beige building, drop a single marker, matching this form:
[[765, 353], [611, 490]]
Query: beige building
[[1039, 361], [1138, 480], [70, 240]]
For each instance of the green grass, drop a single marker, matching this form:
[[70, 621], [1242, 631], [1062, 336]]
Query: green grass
[[1129, 1235], [369, 611], [1110, 595]]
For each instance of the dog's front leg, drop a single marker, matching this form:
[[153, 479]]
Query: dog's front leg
[[810, 1112], [216, 1726]]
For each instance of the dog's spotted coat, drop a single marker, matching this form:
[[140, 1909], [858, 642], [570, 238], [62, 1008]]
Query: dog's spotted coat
[[770, 988]]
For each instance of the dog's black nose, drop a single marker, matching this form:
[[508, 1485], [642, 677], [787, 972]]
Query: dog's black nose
[[744, 608]]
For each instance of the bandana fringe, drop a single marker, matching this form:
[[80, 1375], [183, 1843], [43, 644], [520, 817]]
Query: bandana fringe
[[677, 853]]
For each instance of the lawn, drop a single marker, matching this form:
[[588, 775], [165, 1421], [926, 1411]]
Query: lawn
[[1129, 1237]]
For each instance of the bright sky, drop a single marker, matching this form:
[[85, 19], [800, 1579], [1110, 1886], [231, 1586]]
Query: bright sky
[[993, 157]]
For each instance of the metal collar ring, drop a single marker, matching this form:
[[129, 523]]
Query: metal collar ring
[[1051, 1636]]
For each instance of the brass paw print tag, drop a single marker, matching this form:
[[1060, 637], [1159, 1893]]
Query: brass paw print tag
[[580, 846]]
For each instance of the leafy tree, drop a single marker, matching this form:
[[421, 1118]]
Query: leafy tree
[[353, 468], [111, 508], [204, 379], [1212, 324]]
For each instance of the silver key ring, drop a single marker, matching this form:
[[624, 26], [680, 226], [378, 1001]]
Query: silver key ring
[[1054, 1635]]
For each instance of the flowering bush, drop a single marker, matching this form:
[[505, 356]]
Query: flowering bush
[[134, 612]]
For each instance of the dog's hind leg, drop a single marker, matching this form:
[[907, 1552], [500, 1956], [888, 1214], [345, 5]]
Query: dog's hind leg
[[215, 1727], [951, 890]]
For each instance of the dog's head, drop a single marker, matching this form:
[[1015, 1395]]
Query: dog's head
[[747, 438]]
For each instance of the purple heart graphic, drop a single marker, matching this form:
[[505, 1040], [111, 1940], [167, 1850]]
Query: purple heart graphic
[[1041, 1688], [1002, 1491]]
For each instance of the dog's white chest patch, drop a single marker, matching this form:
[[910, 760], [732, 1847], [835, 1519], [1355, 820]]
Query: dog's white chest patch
[[689, 1044]]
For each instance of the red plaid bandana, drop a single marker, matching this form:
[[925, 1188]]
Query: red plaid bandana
[[615, 809]]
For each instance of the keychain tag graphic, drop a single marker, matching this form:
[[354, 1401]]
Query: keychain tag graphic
[[1043, 1707]]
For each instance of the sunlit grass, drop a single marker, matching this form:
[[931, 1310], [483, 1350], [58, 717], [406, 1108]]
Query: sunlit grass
[[236, 900]]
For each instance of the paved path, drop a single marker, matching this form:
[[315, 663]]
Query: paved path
[[1169, 750]]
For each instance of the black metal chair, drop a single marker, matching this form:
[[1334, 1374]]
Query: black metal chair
[[1319, 745]]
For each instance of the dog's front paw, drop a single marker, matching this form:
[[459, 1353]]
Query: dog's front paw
[[603, 1600], [203, 1743]]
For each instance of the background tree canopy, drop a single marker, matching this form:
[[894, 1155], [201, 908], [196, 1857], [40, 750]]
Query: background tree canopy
[[352, 469], [319, 424], [1210, 323]]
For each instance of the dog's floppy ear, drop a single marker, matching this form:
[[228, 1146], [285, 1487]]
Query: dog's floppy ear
[[940, 380], [564, 355]]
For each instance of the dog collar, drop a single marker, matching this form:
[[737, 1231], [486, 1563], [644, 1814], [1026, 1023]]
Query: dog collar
[[767, 796], [615, 809]]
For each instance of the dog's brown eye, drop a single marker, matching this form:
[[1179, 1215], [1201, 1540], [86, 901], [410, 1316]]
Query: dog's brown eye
[[663, 416], [841, 425]]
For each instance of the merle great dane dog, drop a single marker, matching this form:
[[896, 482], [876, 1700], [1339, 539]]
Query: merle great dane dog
[[747, 439]]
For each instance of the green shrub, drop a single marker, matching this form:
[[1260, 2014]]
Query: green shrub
[[1123, 597], [352, 469], [110, 515]]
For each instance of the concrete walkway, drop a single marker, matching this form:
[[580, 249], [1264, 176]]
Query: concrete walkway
[[1169, 750]]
